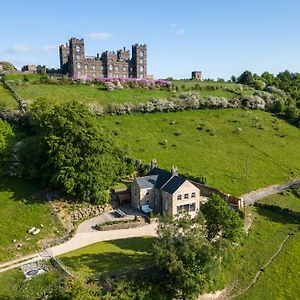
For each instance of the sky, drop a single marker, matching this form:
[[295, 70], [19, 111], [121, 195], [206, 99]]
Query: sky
[[218, 37]]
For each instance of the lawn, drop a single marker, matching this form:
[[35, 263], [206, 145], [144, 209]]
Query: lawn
[[14, 286], [7, 101], [111, 256], [20, 209], [236, 150]]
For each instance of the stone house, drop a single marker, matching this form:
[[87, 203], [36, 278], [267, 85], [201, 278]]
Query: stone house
[[165, 192]]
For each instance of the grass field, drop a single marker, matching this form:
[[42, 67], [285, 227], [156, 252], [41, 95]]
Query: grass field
[[7, 101], [94, 94], [14, 286], [21, 209], [229, 151], [111, 256], [280, 279]]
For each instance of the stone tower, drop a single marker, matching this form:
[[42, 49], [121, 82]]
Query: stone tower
[[64, 58], [196, 75], [76, 57], [138, 68]]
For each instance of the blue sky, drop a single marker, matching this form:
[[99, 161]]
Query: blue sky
[[219, 37]]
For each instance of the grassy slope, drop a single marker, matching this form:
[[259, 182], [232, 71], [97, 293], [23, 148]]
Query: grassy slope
[[109, 256], [7, 101], [13, 285], [280, 279], [19, 211], [93, 94], [221, 158]]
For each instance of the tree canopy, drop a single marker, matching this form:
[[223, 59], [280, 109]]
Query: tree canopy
[[71, 151], [221, 220]]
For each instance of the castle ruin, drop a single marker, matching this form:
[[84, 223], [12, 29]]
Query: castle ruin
[[74, 62]]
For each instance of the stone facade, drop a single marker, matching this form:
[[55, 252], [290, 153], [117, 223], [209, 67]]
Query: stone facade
[[166, 192], [75, 63], [196, 75]]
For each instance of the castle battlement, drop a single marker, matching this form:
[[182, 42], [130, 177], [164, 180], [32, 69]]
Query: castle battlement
[[110, 64]]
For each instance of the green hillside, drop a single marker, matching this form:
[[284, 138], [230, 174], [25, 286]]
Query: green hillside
[[236, 150], [7, 66]]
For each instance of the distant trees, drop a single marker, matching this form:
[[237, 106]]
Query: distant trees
[[245, 78], [285, 86]]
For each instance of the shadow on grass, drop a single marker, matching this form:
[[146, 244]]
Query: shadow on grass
[[22, 190], [139, 244], [277, 214], [109, 261]]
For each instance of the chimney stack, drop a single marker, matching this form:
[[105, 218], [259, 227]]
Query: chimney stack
[[153, 164], [174, 171]]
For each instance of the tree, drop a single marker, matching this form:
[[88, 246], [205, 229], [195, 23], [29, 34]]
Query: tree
[[6, 139], [221, 220], [245, 78], [233, 78], [185, 254], [81, 157], [279, 106], [75, 289]]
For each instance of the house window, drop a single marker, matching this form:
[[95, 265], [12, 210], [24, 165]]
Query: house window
[[193, 207], [116, 68], [124, 69], [186, 207], [78, 65], [179, 209], [78, 57], [141, 69], [93, 67], [186, 196], [110, 67], [179, 197], [77, 49], [193, 195], [85, 67], [141, 61]]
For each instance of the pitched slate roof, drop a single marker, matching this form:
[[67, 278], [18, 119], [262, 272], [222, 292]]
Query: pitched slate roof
[[146, 181], [173, 185], [162, 176]]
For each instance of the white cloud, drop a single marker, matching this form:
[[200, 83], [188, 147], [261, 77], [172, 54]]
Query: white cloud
[[180, 31], [27, 49], [47, 49], [20, 48], [100, 35]]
